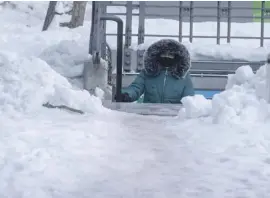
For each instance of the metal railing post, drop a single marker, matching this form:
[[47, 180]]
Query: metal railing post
[[229, 22], [94, 44], [127, 50], [262, 23], [218, 22], [180, 21], [191, 22], [102, 24], [119, 55], [141, 34]]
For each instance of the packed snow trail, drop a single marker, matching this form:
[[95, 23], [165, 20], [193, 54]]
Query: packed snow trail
[[57, 154]]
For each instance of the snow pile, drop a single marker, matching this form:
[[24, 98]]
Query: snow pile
[[194, 107], [27, 83], [242, 75], [20, 12], [33, 42], [32, 13], [242, 101], [69, 57], [239, 105], [66, 57]]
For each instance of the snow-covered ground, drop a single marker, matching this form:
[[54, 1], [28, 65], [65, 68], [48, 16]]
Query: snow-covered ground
[[217, 148]]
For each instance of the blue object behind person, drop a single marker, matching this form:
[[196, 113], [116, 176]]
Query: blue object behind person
[[165, 77]]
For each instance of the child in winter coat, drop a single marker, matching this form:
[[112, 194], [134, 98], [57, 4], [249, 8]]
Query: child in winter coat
[[165, 77]]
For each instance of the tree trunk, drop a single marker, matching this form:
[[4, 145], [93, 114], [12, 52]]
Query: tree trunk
[[50, 15], [78, 13], [8, 3]]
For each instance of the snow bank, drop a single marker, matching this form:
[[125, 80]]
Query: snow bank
[[66, 57], [242, 101], [195, 107], [27, 13], [27, 83], [32, 13]]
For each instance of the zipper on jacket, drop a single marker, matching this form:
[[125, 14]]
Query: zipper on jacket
[[164, 83]]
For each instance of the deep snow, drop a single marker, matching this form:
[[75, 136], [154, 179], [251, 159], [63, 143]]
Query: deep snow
[[217, 148], [244, 100], [55, 154]]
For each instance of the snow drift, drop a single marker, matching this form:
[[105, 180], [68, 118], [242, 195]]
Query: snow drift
[[27, 83], [242, 101], [66, 57]]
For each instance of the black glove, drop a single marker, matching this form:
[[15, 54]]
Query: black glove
[[124, 98]]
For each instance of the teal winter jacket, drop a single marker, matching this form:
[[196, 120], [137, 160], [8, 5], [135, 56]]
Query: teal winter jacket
[[158, 83]]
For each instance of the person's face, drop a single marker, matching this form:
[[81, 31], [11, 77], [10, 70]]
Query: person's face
[[168, 59]]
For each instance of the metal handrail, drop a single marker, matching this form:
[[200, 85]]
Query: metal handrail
[[198, 73], [194, 36], [119, 53]]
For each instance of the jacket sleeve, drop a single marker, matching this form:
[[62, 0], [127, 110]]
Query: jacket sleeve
[[189, 89], [136, 88]]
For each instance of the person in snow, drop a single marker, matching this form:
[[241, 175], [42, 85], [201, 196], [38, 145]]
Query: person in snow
[[165, 77]]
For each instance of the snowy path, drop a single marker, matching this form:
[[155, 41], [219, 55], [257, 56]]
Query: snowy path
[[214, 149], [111, 155]]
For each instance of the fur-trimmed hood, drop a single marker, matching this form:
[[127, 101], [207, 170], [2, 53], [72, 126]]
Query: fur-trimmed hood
[[152, 66]]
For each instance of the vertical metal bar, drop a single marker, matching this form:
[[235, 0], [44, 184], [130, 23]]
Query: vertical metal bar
[[191, 21], [127, 50], [141, 22], [119, 56], [229, 22], [109, 61], [180, 36], [103, 8], [262, 23], [141, 32], [94, 44], [90, 48], [218, 22], [119, 59]]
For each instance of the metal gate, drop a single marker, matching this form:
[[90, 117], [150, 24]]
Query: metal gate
[[206, 74]]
